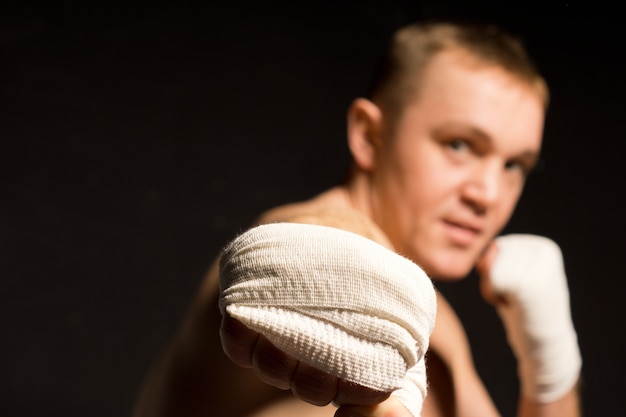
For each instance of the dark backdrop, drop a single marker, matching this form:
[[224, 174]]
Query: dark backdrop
[[137, 139]]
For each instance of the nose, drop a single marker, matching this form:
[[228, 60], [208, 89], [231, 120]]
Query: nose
[[483, 186]]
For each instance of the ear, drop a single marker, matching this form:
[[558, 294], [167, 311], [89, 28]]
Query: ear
[[364, 133]]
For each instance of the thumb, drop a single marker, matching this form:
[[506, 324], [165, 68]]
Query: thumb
[[483, 267], [391, 407]]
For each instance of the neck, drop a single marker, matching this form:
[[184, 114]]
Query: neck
[[358, 191]]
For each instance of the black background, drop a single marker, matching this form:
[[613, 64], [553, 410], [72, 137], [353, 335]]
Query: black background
[[138, 138]]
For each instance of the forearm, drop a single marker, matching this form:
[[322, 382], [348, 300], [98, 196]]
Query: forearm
[[529, 274], [176, 381], [566, 406]]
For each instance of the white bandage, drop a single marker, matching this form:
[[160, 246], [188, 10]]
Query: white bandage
[[528, 271], [334, 300], [413, 390]]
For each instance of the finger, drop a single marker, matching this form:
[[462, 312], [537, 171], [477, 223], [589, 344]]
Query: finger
[[272, 365], [312, 385], [351, 393], [238, 341]]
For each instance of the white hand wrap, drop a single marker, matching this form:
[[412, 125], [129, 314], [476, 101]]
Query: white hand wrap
[[334, 300], [528, 271]]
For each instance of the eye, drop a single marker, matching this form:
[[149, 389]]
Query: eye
[[517, 166], [458, 145], [459, 149]]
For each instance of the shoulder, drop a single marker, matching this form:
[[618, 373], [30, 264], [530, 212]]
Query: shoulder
[[331, 208]]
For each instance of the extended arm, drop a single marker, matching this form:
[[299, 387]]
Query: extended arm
[[193, 377]]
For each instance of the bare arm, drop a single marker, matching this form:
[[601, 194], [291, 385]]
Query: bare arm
[[464, 395], [193, 376], [523, 276]]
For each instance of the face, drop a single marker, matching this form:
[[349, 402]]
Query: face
[[448, 179]]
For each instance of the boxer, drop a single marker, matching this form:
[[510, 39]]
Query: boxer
[[441, 149]]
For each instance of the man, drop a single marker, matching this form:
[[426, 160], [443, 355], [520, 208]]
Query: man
[[441, 150]]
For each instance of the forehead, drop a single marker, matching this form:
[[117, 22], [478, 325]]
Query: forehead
[[458, 91]]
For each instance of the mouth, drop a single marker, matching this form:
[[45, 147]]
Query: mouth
[[461, 233]]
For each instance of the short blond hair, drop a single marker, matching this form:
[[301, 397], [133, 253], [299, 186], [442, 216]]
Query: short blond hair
[[412, 48]]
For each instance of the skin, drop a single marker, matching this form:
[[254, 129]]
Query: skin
[[437, 188]]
